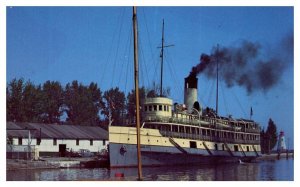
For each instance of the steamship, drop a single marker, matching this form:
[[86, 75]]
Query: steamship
[[182, 134], [174, 134]]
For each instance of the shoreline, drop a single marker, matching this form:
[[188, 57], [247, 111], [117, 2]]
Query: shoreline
[[65, 162], [274, 156], [48, 163]]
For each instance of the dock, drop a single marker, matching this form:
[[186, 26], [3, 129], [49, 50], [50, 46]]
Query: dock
[[55, 163], [274, 156]]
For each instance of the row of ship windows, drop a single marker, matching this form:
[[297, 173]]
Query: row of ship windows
[[204, 132], [193, 144], [213, 120], [151, 108]]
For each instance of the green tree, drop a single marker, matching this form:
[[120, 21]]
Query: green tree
[[154, 91], [271, 135], [82, 103], [31, 103], [24, 101], [263, 142], [97, 104], [114, 106], [14, 106], [52, 94], [131, 102]]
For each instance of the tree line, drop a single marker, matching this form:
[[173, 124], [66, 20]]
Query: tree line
[[79, 104]]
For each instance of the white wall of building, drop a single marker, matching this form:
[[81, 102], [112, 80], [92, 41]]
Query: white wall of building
[[47, 145]]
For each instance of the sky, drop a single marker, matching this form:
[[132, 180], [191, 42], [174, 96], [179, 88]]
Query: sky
[[94, 44]]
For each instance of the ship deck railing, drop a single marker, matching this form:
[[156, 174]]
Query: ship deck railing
[[207, 138], [206, 122]]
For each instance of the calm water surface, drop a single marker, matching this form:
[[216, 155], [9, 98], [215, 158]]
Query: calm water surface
[[278, 170]]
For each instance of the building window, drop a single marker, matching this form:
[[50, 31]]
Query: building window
[[160, 107], [165, 108], [145, 108], [155, 107], [19, 141], [103, 142], [38, 141], [150, 108], [77, 141], [91, 142], [54, 141]]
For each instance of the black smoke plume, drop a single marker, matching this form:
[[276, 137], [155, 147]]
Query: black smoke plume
[[245, 66]]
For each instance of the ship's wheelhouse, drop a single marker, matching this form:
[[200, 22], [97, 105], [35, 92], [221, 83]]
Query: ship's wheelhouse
[[157, 108]]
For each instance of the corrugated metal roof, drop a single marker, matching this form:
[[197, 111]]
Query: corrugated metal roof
[[56, 131]]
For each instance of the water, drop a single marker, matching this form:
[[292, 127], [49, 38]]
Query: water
[[271, 170]]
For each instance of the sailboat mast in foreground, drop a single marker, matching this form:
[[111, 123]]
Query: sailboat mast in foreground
[[136, 82]]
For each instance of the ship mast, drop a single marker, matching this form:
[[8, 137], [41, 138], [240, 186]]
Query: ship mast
[[217, 95], [162, 57], [136, 81]]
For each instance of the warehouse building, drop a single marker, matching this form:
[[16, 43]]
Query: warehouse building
[[53, 139]]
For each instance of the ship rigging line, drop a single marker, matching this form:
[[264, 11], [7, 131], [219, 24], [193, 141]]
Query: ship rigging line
[[143, 63], [109, 53], [126, 54], [117, 50], [211, 88], [127, 65], [224, 97], [173, 73], [148, 37], [156, 64], [239, 104]]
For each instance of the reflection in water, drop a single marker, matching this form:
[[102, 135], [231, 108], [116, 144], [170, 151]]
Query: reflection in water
[[263, 170]]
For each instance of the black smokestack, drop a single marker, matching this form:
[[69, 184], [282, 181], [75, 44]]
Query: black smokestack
[[191, 82], [242, 65]]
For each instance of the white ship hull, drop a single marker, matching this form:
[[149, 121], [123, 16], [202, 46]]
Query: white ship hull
[[159, 150]]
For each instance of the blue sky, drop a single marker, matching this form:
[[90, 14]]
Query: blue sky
[[94, 44]]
